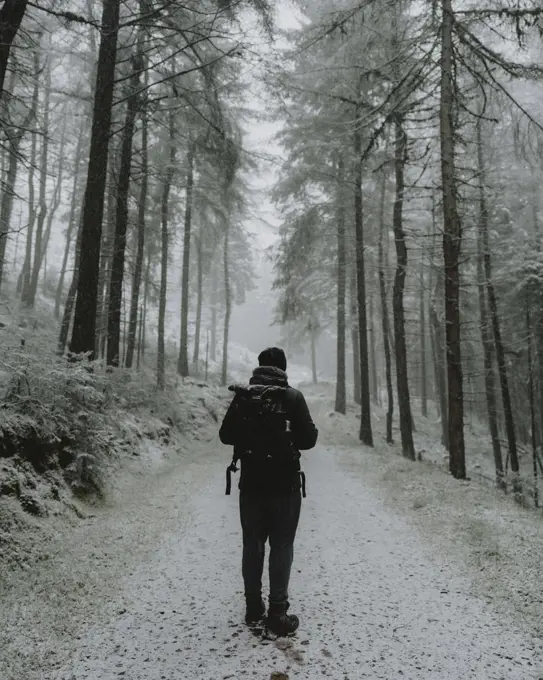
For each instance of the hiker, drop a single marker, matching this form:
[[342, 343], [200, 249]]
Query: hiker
[[268, 424]]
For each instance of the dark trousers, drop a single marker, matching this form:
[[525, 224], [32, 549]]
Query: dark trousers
[[274, 517]]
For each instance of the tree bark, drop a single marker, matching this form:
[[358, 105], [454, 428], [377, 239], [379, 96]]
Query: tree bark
[[494, 317], [486, 334], [423, 349], [404, 404], [438, 342], [11, 17], [384, 314], [355, 338], [145, 299], [183, 359], [365, 435], [84, 327], [452, 240], [121, 220], [106, 254], [313, 342], [199, 303], [140, 338], [138, 266], [227, 306], [24, 278], [531, 398], [161, 351], [374, 380], [70, 298], [341, 391], [71, 224], [30, 290], [57, 197], [214, 293], [6, 205]]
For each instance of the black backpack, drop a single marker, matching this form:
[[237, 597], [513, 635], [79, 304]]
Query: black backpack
[[265, 445]]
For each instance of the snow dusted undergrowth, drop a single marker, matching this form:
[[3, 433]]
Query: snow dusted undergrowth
[[400, 571]]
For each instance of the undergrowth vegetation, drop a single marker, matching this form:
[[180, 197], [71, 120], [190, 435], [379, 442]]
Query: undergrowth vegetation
[[69, 415]]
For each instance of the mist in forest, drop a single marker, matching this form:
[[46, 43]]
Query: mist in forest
[[180, 191]]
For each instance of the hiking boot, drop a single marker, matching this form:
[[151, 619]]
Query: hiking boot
[[279, 622], [255, 610]]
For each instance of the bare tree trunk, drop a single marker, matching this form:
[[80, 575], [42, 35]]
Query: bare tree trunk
[[384, 314], [24, 278], [57, 197], [341, 391], [486, 334], [404, 404], [121, 222], [423, 349], [71, 224], [161, 358], [29, 291], [183, 359], [106, 254], [227, 306], [6, 205], [199, 303], [355, 338], [366, 435], [11, 16], [493, 309], [145, 299], [314, 371], [374, 381], [70, 298], [214, 286], [138, 266], [452, 241], [531, 398], [84, 327], [438, 341], [140, 337], [538, 326]]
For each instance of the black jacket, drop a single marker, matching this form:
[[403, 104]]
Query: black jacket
[[303, 430]]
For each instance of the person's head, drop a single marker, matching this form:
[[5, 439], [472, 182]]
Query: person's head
[[273, 356]]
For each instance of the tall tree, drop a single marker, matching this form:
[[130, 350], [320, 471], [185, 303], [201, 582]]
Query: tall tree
[[140, 248], [227, 301], [404, 402], [23, 283], [84, 327], [366, 435], [121, 218], [6, 204], [165, 215], [72, 222], [385, 321], [183, 359], [341, 390], [452, 240], [31, 284], [486, 333]]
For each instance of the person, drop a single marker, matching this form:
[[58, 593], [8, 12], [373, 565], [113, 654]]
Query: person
[[270, 501]]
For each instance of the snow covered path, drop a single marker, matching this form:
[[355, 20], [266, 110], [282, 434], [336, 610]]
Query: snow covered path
[[372, 600]]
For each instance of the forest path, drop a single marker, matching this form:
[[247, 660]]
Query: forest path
[[373, 600]]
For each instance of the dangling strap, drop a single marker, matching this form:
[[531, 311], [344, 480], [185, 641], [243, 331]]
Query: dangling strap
[[302, 478], [231, 468]]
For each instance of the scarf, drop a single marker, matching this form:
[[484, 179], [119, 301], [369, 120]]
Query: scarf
[[269, 375]]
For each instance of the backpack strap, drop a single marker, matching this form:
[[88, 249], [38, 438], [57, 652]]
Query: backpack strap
[[302, 479], [231, 468]]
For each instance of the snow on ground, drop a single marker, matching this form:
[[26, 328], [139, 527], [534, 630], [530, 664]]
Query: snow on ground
[[399, 572]]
